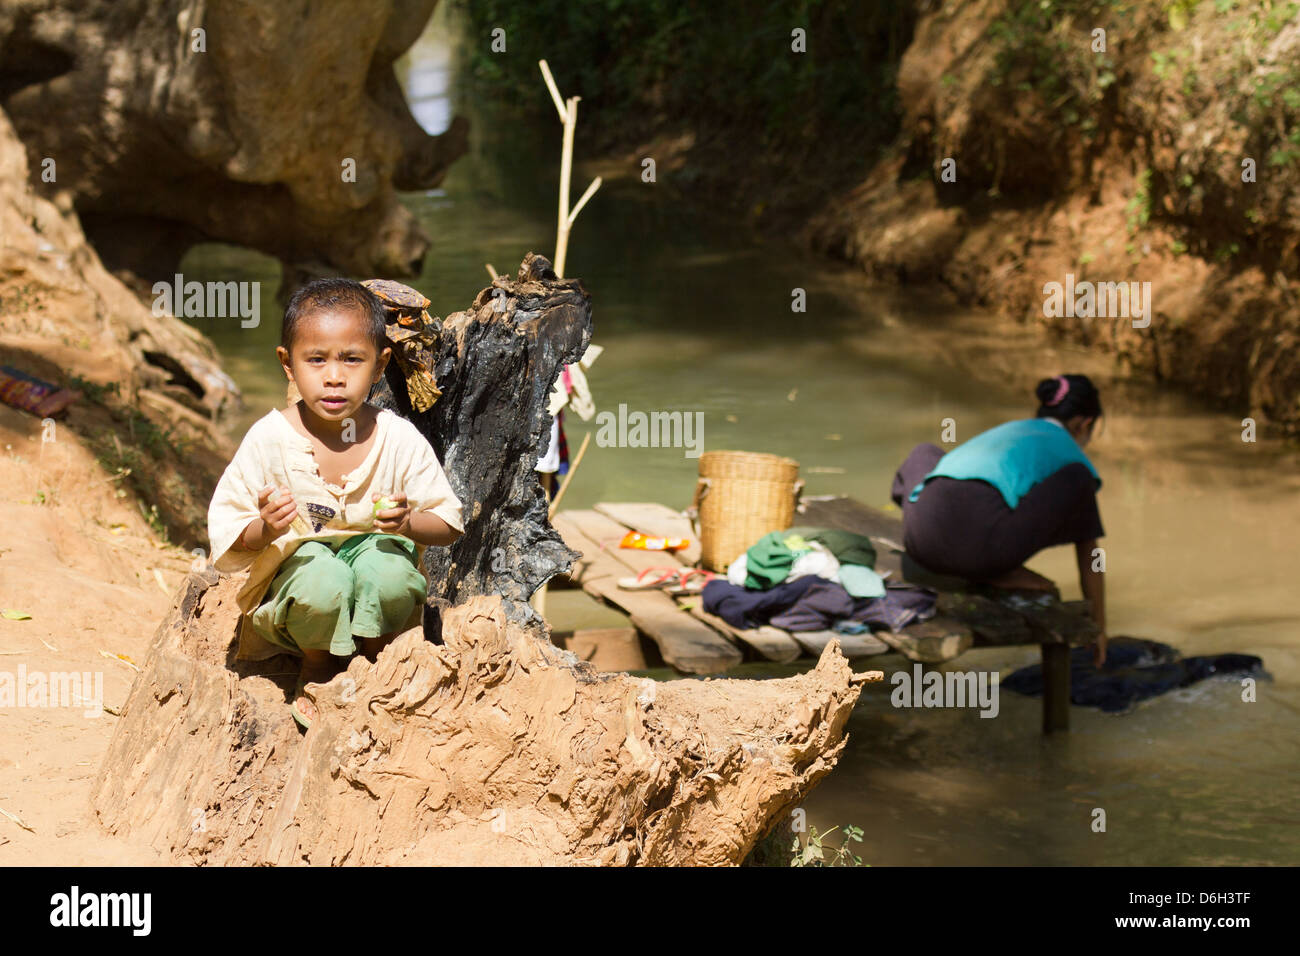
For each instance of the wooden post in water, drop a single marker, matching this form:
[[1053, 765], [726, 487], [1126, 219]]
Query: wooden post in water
[[1056, 686]]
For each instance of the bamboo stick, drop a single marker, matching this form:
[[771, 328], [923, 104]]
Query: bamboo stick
[[550, 512], [566, 163], [555, 91]]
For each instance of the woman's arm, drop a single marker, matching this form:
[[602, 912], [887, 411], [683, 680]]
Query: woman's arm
[[1093, 586]]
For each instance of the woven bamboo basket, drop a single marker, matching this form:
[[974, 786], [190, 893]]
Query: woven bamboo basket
[[739, 497]]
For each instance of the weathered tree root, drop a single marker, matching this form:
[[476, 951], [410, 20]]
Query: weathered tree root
[[495, 747]]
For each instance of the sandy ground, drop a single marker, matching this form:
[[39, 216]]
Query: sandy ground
[[82, 563]]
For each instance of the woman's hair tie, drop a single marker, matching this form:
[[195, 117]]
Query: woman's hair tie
[[1060, 391]]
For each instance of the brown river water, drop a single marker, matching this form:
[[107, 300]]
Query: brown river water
[[695, 317]]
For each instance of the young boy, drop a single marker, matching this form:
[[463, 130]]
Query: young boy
[[330, 502]]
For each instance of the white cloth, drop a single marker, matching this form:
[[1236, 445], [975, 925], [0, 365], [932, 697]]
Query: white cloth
[[274, 453], [818, 561], [580, 398], [551, 460]]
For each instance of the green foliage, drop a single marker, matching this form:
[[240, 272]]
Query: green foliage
[[92, 390], [1179, 12], [1040, 49], [814, 852], [1137, 211], [639, 63]]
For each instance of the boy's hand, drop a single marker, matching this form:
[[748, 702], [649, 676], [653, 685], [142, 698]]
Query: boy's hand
[[277, 512], [394, 519]]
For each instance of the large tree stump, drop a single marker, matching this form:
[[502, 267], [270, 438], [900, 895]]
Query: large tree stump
[[474, 739], [495, 747]]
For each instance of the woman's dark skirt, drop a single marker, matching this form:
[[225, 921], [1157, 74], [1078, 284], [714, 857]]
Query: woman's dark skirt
[[964, 528]]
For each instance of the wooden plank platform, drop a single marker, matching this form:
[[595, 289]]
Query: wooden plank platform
[[655, 519], [968, 615], [771, 643], [686, 643], [851, 645]]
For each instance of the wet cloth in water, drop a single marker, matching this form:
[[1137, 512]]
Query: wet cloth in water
[[1135, 670]]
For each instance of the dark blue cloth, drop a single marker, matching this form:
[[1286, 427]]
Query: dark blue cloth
[[813, 603], [1135, 670], [744, 608]]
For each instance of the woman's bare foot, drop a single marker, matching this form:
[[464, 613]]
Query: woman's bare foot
[[1023, 579]]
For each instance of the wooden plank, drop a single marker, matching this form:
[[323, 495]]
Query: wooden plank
[[589, 552], [605, 534], [841, 511], [687, 644], [607, 648], [772, 643], [653, 518], [930, 642], [865, 644]]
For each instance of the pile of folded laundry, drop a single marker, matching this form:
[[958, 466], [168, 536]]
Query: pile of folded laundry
[[814, 579]]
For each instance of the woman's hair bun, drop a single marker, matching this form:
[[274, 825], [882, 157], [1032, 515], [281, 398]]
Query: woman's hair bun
[[1046, 390]]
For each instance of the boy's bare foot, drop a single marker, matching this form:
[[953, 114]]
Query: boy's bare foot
[[1023, 579], [318, 667], [371, 646]]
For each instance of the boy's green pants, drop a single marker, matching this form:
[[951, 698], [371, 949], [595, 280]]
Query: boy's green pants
[[325, 592]]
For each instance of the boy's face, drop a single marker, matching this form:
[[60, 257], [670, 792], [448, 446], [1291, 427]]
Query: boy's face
[[334, 363]]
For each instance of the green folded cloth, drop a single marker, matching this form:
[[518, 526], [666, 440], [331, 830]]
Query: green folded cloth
[[768, 561], [848, 547], [861, 581]]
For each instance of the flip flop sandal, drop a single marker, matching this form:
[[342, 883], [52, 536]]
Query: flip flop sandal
[[653, 579], [693, 580], [300, 690]]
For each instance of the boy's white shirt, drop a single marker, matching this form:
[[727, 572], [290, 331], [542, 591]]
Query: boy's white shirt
[[274, 453]]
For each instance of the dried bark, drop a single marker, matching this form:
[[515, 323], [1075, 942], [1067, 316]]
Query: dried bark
[[495, 747]]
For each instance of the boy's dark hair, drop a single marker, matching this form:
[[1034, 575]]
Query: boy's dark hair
[[340, 295], [1065, 396]]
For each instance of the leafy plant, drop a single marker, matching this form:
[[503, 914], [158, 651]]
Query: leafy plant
[[814, 852]]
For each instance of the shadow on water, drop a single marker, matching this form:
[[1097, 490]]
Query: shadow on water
[[1201, 529]]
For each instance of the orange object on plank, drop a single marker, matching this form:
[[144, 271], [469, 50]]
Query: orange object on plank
[[644, 542]]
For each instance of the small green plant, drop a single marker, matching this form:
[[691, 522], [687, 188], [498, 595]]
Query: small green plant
[[814, 852], [92, 390], [1226, 252], [1138, 209], [155, 522]]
